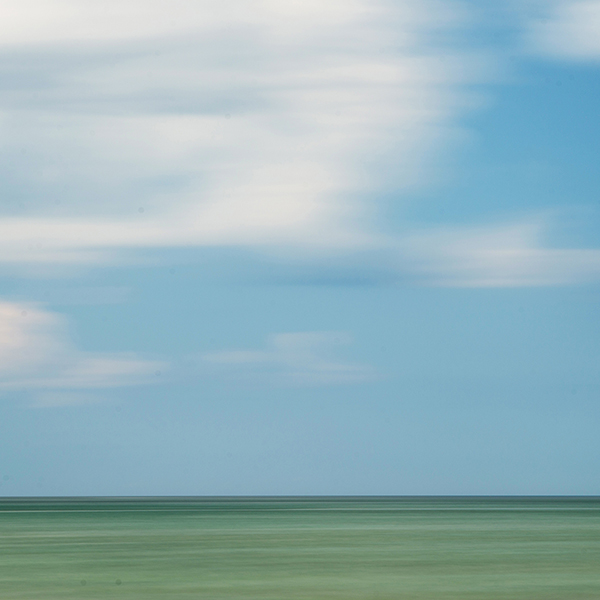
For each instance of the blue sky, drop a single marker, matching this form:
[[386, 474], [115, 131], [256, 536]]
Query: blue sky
[[299, 248]]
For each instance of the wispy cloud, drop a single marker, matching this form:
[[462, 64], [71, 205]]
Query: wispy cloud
[[568, 29], [258, 124], [307, 358], [36, 355], [494, 256], [236, 123]]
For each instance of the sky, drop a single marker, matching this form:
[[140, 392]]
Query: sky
[[293, 248]]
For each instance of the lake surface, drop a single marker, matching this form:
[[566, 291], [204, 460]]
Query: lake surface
[[300, 548]]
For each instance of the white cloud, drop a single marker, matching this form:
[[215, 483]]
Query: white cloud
[[500, 256], [306, 358], [36, 354], [253, 123], [39, 21], [570, 30]]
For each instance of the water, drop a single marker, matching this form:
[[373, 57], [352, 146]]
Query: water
[[300, 548]]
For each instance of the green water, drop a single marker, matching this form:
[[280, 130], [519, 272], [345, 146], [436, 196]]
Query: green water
[[301, 548]]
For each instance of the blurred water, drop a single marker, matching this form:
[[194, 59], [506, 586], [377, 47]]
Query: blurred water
[[301, 548]]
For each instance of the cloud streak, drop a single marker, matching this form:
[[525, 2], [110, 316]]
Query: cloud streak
[[248, 123], [306, 358], [36, 355], [571, 30], [494, 256], [262, 125]]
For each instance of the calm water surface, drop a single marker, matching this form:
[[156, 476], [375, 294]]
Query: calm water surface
[[300, 548]]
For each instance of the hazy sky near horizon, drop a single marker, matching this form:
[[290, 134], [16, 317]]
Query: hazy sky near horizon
[[300, 247]]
